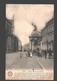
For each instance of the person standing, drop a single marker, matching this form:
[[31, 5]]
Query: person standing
[[31, 53], [38, 51], [50, 53], [28, 52], [45, 53]]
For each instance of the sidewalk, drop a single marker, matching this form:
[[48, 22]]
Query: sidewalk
[[11, 58]]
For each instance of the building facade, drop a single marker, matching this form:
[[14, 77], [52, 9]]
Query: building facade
[[19, 45], [48, 35], [11, 39], [9, 33], [16, 44]]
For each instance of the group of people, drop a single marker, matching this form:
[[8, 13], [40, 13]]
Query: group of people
[[40, 53], [48, 53]]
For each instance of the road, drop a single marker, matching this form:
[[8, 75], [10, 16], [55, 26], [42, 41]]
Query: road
[[25, 67], [13, 61]]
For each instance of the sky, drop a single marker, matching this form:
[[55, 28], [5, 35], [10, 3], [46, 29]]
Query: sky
[[25, 14]]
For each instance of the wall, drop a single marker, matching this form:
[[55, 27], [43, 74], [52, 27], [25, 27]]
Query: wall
[[48, 35]]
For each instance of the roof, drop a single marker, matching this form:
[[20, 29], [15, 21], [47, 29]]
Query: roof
[[50, 21], [35, 34]]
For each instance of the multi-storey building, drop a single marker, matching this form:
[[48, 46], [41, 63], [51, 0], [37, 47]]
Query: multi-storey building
[[11, 39], [48, 35], [9, 34], [16, 43]]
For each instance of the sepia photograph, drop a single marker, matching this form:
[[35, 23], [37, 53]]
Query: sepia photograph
[[29, 42]]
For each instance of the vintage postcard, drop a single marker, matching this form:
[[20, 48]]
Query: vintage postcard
[[29, 42]]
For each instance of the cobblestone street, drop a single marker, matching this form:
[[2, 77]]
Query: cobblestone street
[[13, 61]]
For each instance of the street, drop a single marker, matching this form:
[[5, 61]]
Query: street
[[14, 61]]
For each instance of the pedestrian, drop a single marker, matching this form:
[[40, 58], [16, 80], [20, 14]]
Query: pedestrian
[[28, 52], [38, 51], [45, 53], [31, 53], [50, 53]]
